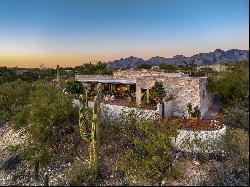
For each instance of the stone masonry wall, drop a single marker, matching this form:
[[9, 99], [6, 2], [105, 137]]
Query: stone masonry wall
[[128, 75], [134, 74], [206, 98], [183, 90], [102, 77]]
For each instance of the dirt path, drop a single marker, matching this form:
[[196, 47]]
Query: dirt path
[[213, 109]]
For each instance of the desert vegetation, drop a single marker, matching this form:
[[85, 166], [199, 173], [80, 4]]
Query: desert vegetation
[[63, 144]]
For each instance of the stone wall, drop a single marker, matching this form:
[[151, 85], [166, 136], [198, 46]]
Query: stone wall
[[101, 77], [200, 141], [116, 110], [127, 75], [134, 74], [183, 90], [206, 98]]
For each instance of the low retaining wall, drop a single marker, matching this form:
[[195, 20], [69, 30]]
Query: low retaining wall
[[116, 110], [187, 141], [200, 141]]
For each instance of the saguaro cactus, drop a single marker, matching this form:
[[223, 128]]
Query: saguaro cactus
[[83, 115], [84, 118], [95, 131]]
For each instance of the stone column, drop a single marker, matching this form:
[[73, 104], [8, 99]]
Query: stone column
[[138, 95], [148, 95]]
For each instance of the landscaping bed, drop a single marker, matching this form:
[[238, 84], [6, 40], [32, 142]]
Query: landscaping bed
[[199, 124]]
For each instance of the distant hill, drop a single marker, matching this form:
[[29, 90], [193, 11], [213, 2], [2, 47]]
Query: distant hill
[[216, 57]]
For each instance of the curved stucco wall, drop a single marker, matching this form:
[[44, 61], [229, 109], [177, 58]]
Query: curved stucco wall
[[187, 141], [116, 110], [200, 141]]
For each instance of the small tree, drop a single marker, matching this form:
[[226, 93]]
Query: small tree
[[197, 112], [75, 87], [158, 92], [189, 109]]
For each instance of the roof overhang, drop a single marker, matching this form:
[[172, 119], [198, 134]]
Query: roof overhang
[[114, 81]]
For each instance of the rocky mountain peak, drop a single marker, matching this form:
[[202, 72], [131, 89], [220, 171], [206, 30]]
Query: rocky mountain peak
[[218, 56]]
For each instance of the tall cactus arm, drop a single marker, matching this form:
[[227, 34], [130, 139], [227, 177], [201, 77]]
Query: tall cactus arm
[[82, 122]]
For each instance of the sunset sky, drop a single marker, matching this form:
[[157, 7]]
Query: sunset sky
[[73, 32]]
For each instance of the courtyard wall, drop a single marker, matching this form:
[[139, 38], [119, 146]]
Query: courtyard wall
[[183, 90]]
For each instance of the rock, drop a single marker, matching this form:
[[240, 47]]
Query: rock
[[196, 162], [11, 163]]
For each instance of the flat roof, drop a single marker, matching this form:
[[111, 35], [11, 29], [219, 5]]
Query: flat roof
[[119, 81]]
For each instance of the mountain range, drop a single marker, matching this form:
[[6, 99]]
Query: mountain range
[[216, 57]]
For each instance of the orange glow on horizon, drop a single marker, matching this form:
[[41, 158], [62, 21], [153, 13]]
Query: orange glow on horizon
[[72, 60], [34, 61]]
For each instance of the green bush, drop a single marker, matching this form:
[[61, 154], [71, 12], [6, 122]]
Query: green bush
[[75, 87], [158, 92], [237, 114], [145, 66], [13, 97], [204, 72], [93, 69], [147, 159], [80, 174], [47, 120], [7, 74], [196, 113], [189, 109], [167, 67], [232, 83], [235, 167], [233, 86]]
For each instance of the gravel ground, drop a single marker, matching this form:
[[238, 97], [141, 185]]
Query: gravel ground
[[15, 171]]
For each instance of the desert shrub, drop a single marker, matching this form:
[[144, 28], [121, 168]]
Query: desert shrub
[[189, 109], [100, 68], [232, 83], [47, 121], [233, 86], [196, 113], [147, 144], [29, 76], [237, 114], [13, 97], [7, 74], [145, 66], [80, 174], [167, 67], [204, 71], [234, 170]]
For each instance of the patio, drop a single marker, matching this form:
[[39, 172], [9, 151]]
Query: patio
[[127, 102]]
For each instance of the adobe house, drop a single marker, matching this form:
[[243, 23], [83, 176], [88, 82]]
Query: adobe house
[[182, 88]]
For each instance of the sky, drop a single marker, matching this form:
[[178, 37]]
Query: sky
[[73, 32]]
